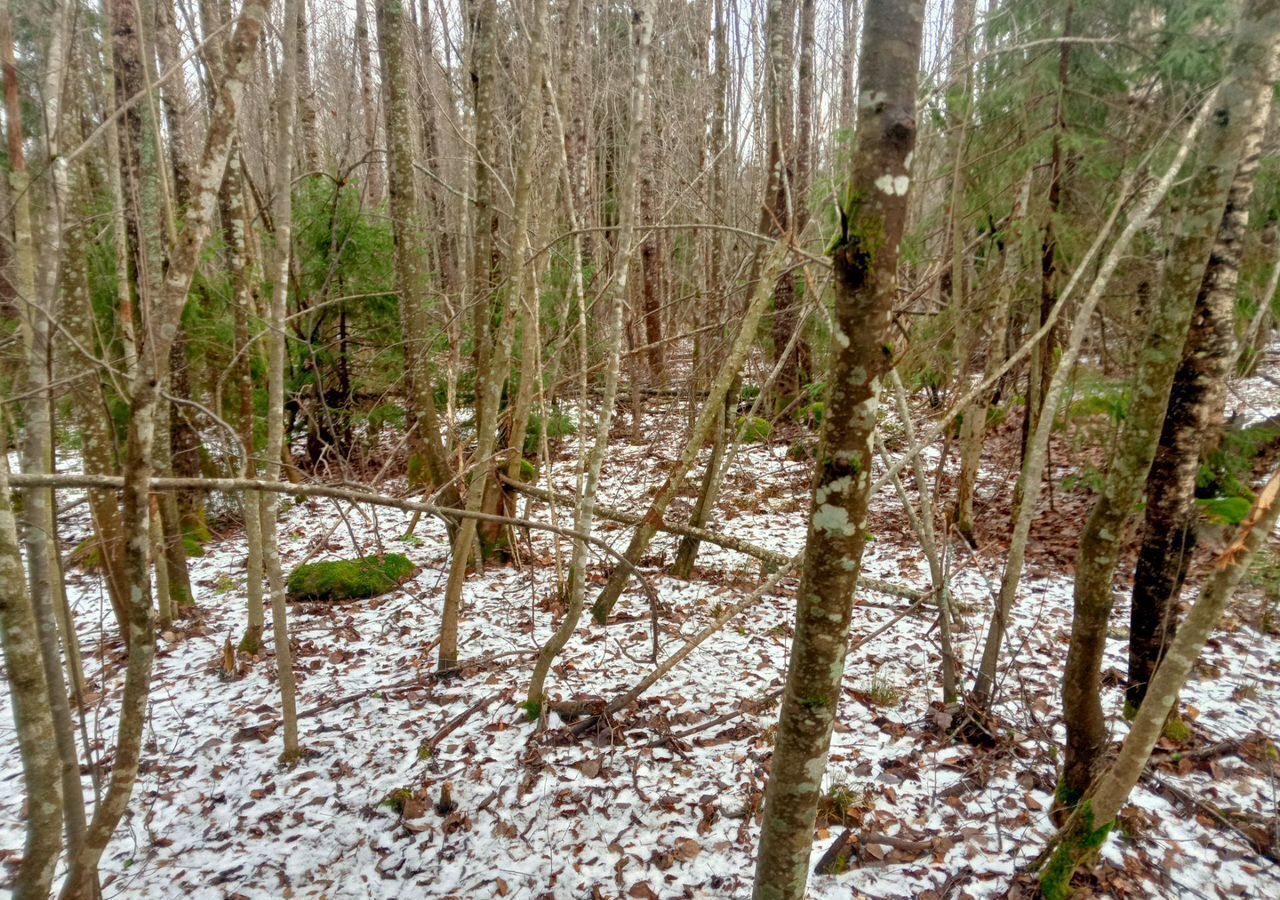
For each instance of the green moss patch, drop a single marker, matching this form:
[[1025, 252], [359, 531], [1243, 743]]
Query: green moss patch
[[754, 430], [349, 579]]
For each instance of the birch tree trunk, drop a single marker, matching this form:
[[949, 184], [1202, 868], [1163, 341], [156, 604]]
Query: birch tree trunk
[[235, 229], [152, 362], [276, 330], [1088, 828], [1030, 479], [1196, 402], [369, 107], [865, 259]]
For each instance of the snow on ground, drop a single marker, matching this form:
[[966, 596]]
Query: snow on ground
[[623, 813]]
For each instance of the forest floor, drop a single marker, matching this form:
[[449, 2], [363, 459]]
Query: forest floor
[[630, 810]]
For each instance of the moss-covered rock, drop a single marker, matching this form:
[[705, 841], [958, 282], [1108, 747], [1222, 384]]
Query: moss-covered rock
[[754, 430], [349, 579]]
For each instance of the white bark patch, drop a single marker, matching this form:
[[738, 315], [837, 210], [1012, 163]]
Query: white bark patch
[[893, 185], [833, 520], [838, 486]]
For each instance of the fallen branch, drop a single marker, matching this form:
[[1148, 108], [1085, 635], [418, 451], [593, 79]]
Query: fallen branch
[[353, 495], [849, 846], [453, 724], [757, 706], [728, 542]]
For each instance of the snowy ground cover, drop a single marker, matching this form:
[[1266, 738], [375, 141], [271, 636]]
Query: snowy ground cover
[[634, 810]]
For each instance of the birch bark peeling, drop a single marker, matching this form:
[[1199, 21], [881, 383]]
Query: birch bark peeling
[[1236, 134]]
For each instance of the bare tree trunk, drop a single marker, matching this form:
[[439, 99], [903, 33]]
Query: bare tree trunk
[[38, 288], [369, 106], [850, 23], [28, 689], [153, 360], [651, 261], [1087, 829], [865, 259], [312, 159], [287, 91], [428, 463], [584, 513], [28, 632], [1199, 387], [484, 222], [779, 202], [235, 227], [1027, 490]]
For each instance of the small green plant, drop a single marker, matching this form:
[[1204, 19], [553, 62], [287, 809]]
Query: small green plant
[[411, 539], [397, 798], [753, 430], [559, 426], [225, 584], [1176, 730], [811, 414], [842, 804], [883, 692], [532, 710], [1225, 510]]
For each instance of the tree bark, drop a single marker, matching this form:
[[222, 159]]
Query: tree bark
[[1086, 831], [153, 360], [1030, 479], [428, 463], [294, 35], [1196, 402], [865, 260], [369, 106], [29, 693]]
